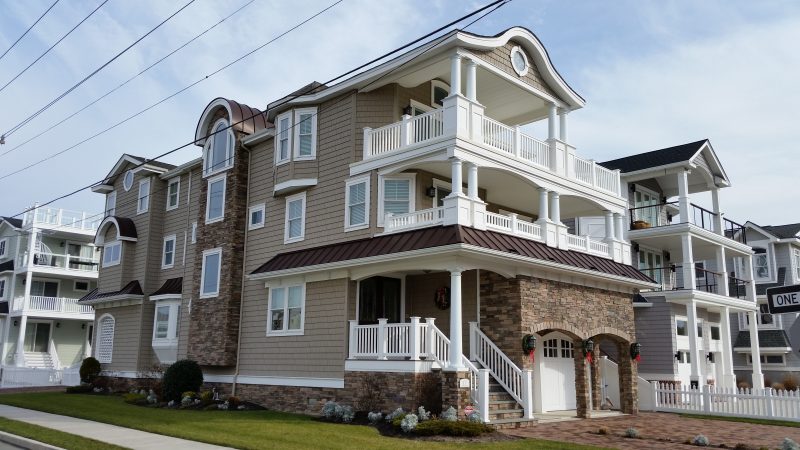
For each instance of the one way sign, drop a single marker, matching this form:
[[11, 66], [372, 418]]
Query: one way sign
[[784, 299]]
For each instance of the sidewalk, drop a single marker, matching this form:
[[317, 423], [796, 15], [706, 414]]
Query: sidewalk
[[111, 434]]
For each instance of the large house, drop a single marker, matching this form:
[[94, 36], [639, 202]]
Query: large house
[[47, 262], [396, 229]]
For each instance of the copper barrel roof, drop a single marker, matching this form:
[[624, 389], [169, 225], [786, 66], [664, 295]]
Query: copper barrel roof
[[243, 118], [171, 286], [441, 236], [132, 288]]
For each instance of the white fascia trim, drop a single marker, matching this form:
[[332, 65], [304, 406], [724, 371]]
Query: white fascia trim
[[292, 185], [257, 138], [183, 168], [686, 227], [650, 172], [202, 124], [708, 299], [102, 188], [363, 365], [765, 350], [163, 297], [336, 383], [119, 373], [642, 305]]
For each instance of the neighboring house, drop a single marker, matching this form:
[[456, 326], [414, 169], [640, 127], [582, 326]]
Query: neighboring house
[[47, 262], [397, 225], [683, 325], [776, 263]]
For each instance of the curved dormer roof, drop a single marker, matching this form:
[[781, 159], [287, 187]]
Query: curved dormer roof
[[126, 229], [243, 118]]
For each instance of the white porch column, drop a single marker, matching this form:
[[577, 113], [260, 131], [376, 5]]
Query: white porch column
[[543, 214], [472, 88], [618, 225], [610, 233], [749, 276], [555, 207], [19, 358], [758, 377], [562, 126], [551, 121], [683, 195], [687, 269], [728, 377], [717, 212], [455, 74], [455, 165], [722, 268], [694, 355], [472, 181], [455, 321]]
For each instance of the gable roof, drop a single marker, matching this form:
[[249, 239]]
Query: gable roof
[[143, 163], [656, 158], [16, 223], [442, 236], [766, 339], [783, 231], [132, 289]]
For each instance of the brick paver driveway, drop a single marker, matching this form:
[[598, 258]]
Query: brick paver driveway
[[660, 431]]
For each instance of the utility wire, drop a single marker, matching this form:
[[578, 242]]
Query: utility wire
[[496, 4], [95, 72], [29, 29], [128, 80], [53, 46]]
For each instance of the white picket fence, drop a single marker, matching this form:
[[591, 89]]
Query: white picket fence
[[752, 403], [27, 377]]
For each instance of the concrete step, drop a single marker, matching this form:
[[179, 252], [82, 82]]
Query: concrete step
[[504, 424]]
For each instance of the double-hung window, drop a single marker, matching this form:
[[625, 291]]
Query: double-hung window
[[356, 214], [168, 255], [215, 199], [286, 310], [796, 258], [111, 203], [681, 327], [282, 150], [295, 218], [761, 264], [305, 125], [112, 254], [3, 247], [2, 288], [396, 196], [257, 213], [209, 276], [143, 203], [173, 193]]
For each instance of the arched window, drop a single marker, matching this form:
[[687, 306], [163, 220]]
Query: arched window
[[218, 153], [105, 338]]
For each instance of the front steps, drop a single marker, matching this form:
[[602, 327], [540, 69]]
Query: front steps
[[39, 360], [504, 411]]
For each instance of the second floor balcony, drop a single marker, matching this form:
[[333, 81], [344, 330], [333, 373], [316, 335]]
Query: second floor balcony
[[43, 306], [51, 262], [668, 214], [672, 278], [62, 219]]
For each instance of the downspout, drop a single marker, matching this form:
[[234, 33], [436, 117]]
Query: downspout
[[244, 272]]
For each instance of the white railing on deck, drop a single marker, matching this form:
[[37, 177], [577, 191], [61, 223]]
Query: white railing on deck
[[51, 304], [606, 179], [427, 126], [483, 350], [752, 403], [414, 219], [584, 170], [513, 225], [409, 131], [534, 151], [62, 218], [498, 135], [576, 242], [59, 261], [382, 140], [388, 340], [26, 376], [587, 244]]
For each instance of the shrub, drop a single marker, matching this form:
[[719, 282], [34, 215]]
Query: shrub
[[82, 388], [90, 369], [346, 414], [743, 385], [409, 423], [423, 415], [190, 394], [234, 402], [184, 375], [602, 431], [374, 417], [448, 428], [789, 444], [778, 386], [398, 420], [397, 412], [100, 382], [700, 441], [743, 447], [135, 399], [475, 417], [450, 414], [329, 410], [790, 382], [207, 397], [632, 433]]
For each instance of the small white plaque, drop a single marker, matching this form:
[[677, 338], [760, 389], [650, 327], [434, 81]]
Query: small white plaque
[[463, 383]]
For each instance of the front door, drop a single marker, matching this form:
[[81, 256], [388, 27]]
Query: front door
[[646, 207], [37, 337], [558, 374], [379, 298]]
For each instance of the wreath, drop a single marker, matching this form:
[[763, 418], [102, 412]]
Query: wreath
[[441, 297]]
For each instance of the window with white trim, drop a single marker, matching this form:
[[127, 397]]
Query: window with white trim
[[796, 259], [219, 149], [143, 203], [173, 193], [194, 233], [215, 199], [295, 227], [439, 90], [257, 216], [81, 286], [111, 203], [2, 288], [356, 214], [681, 327], [715, 332], [283, 143], [112, 254], [3, 247], [127, 180], [165, 321], [770, 360], [305, 127], [286, 310], [168, 253], [105, 339], [209, 275], [761, 264], [395, 195]]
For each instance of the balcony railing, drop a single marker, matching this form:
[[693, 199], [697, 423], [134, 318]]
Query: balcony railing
[[653, 216], [671, 279], [57, 261], [62, 218], [38, 303], [414, 220], [496, 137]]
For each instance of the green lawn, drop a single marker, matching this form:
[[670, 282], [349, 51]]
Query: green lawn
[[53, 437], [243, 429], [778, 423]]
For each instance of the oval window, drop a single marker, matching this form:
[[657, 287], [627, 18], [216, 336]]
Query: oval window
[[127, 182]]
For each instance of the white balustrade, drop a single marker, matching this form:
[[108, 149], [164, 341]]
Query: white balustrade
[[584, 170], [51, 304], [382, 140], [500, 366], [425, 127], [498, 135], [534, 151], [62, 218], [606, 179], [575, 242], [29, 376], [414, 219], [735, 402], [387, 340], [61, 261], [498, 222]]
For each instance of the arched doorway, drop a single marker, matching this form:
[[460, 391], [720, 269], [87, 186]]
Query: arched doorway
[[557, 372]]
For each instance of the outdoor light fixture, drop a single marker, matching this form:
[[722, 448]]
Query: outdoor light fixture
[[407, 110], [710, 357], [83, 326], [678, 356], [16, 322], [430, 192], [632, 187], [58, 324]]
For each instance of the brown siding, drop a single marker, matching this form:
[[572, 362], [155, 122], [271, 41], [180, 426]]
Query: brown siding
[[126, 336], [500, 57]]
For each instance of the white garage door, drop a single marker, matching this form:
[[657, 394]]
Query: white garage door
[[558, 374]]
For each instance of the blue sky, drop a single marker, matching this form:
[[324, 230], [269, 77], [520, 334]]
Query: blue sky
[[654, 73]]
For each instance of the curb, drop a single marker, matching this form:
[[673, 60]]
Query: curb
[[22, 442]]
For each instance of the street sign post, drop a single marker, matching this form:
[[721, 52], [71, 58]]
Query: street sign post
[[784, 299]]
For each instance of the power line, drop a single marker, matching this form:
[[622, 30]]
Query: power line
[[53, 46], [29, 29], [95, 72], [128, 80], [496, 4], [174, 94]]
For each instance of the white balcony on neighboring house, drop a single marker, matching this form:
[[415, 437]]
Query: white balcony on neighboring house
[[58, 264], [59, 219], [51, 307]]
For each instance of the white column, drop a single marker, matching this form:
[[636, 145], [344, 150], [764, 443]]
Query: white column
[[683, 195], [23, 319], [455, 165], [551, 121], [555, 207], [455, 321], [691, 315], [722, 269], [472, 181], [687, 269], [748, 275], [414, 339], [543, 210], [716, 209], [610, 233], [758, 377], [729, 379], [455, 74], [472, 89], [562, 122], [618, 225], [19, 359]]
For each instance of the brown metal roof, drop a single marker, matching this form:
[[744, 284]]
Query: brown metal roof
[[441, 236], [171, 286], [132, 288]]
